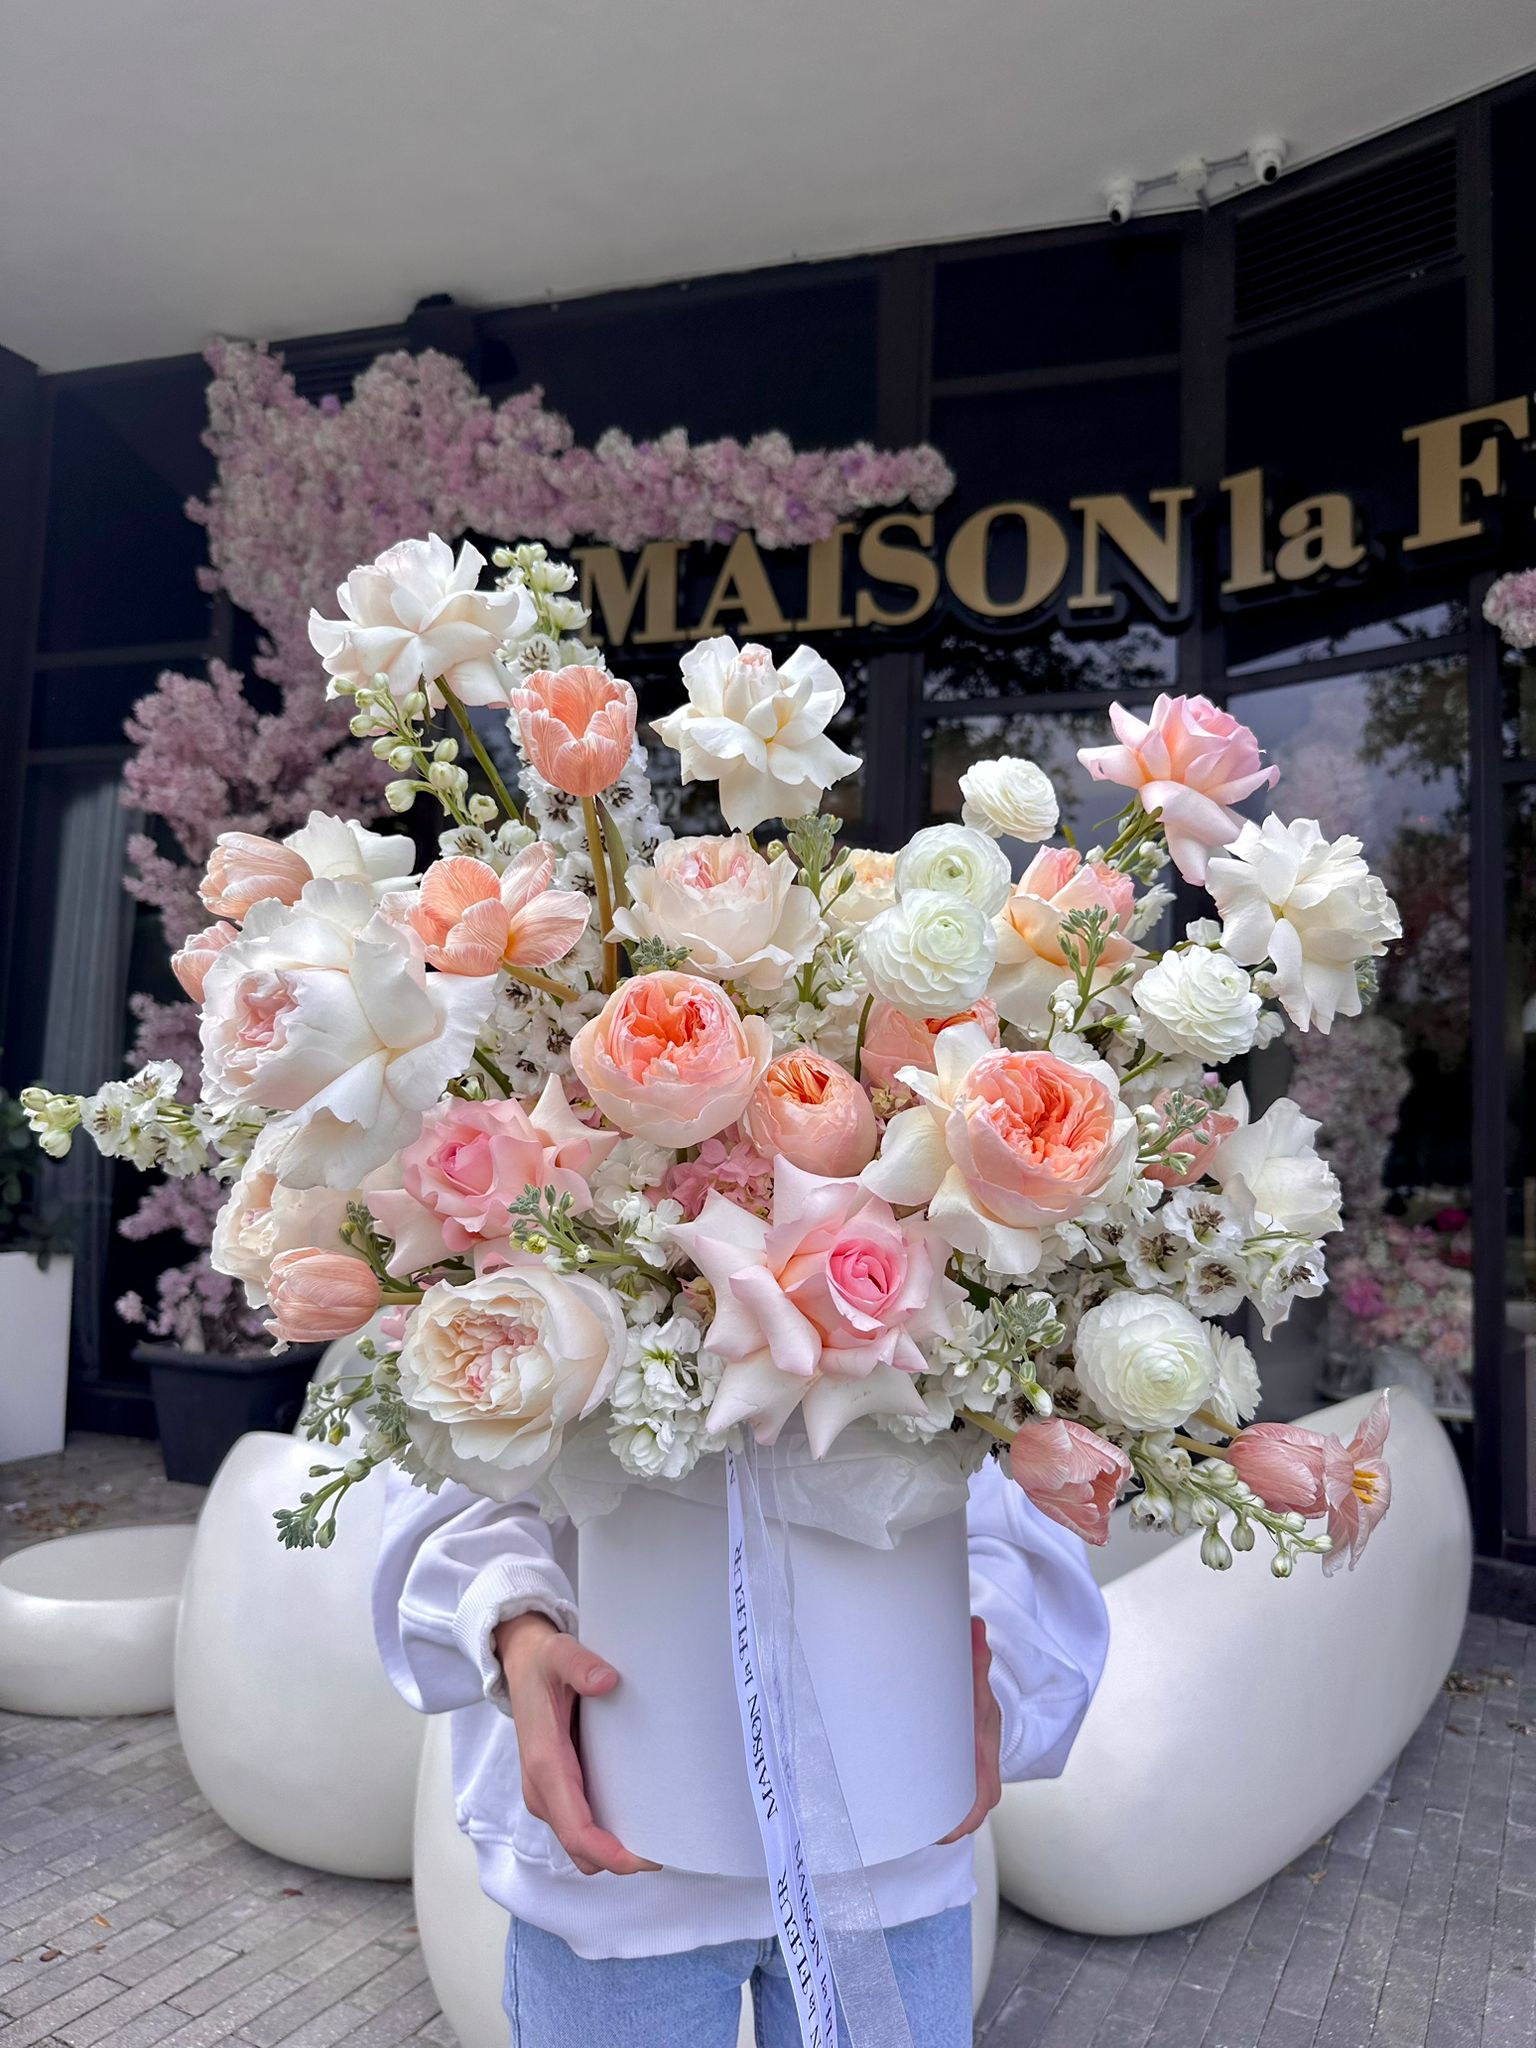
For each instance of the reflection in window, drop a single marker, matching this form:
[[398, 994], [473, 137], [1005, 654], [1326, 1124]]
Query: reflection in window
[[1520, 1203], [1384, 756], [1433, 622], [967, 664], [1518, 676]]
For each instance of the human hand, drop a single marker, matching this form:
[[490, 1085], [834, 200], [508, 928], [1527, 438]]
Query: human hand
[[989, 1735], [547, 1672]]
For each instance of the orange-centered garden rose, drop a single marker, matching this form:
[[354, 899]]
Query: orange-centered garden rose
[[669, 1058]]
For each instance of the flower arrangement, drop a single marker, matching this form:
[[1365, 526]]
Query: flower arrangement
[[1511, 606], [641, 1142]]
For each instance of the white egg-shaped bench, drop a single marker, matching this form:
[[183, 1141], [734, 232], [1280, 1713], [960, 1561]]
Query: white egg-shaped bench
[[464, 1934], [292, 1731], [88, 1622], [1240, 1716]]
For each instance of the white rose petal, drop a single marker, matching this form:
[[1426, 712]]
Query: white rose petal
[[1010, 798], [1271, 1171], [930, 955], [1198, 1002], [341, 850], [1144, 1361], [956, 860]]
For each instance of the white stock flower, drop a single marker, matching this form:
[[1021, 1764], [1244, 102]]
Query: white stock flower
[[1308, 903], [1271, 1172], [871, 890], [956, 860], [341, 850], [930, 955], [737, 916], [1198, 1002], [1144, 1361], [1010, 798], [322, 1012], [757, 730], [414, 615]]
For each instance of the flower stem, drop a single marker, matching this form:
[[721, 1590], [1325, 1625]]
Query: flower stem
[[858, 1048], [477, 747], [604, 888], [484, 1061], [1192, 1444], [1004, 1436], [547, 982]]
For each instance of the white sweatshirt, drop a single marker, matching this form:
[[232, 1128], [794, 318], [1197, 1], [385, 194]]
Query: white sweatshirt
[[452, 1566]]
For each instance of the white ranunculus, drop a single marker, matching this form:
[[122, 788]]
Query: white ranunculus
[[1235, 1397], [871, 889], [1311, 905], [757, 730], [930, 955], [414, 615], [956, 860], [1010, 798], [321, 1012], [1271, 1172], [341, 850], [1199, 1002], [738, 916], [1144, 1361], [494, 1371]]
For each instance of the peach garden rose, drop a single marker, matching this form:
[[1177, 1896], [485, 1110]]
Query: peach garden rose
[[670, 1058], [1031, 960], [811, 1111]]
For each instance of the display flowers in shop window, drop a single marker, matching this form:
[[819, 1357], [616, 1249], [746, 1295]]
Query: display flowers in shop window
[[634, 1145]]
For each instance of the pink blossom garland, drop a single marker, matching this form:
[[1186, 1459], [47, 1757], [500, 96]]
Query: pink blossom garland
[[1511, 606]]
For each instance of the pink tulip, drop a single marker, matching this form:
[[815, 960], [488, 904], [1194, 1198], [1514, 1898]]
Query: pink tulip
[[894, 1040], [1189, 763], [318, 1296], [1286, 1466], [811, 1111], [1298, 1471], [1072, 1474], [470, 920], [244, 869], [1359, 1488], [577, 726], [193, 958]]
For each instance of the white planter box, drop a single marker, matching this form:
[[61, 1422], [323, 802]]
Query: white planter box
[[34, 1347]]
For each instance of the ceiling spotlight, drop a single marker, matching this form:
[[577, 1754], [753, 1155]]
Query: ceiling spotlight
[[1120, 200], [1266, 158], [1193, 175]]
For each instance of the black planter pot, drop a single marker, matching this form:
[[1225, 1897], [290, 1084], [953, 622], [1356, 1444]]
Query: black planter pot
[[203, 1403]]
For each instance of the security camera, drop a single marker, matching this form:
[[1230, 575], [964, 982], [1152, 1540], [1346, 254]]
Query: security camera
[[1266, 158], [1120, 201]]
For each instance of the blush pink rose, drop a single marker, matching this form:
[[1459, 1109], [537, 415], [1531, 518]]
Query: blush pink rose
[[670, 1058], [318, 1296], [1031, 960], [470, 919], [1072, 1474], [808, 1109], [823, 1308], [472, 1162], [193, 958], [1200, 1144], [245, 868], [894, 1040], [1188, 763], [577, 726]]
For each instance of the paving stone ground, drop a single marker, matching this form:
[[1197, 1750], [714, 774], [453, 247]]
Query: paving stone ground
[[130, 1916]]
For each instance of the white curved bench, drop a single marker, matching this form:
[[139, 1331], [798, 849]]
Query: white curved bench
[[1240, 1716], [88, 1622], [464, 1934]]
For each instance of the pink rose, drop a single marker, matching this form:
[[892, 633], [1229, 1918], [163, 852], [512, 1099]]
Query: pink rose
[[809, 1110], [244, 868], [318, 1296], [472, 1162], [577, 726], [669, 1058], [1031, 960], [470, 919], [1072, 1474], [893, 1039], [1200, 1143], [193, 958], [1005, 1145], [823, 1308], [1189, 763]]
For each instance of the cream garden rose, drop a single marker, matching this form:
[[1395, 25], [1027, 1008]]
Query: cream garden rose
[[1200, 1002], [870, 887], [1144, 1361], [738, 916], [955, 860], [1010, 798], [929, 954]]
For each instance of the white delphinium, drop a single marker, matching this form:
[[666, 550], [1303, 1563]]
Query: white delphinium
[[1279, 1274], [1155, 1256], [142, 1121], [1150, 906], [955, 860], [494, 845], [1010, 798], [930, 954], [1199, 1002], [821, 1005], [660, 1401]]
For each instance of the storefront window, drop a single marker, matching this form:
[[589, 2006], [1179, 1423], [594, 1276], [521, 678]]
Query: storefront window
[[1520, 1203]]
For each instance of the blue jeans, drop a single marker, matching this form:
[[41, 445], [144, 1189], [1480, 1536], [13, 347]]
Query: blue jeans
[[556, 1999]]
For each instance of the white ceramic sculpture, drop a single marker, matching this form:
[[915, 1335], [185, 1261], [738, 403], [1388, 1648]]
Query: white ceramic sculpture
[[1239, 1717], [464, 1935], [88, 1622], [294, 1734]]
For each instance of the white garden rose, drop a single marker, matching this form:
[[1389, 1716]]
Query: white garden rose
[[494, 1370], [1010, 798], [738, 917], [1270, 1171], [757, 730], [871, 888], [340, 850], [415, 615], [322, 1012], [261, 1217], [1144, 1361], [930, 955], [956, 860], [1309, 904], [1198, 1002]]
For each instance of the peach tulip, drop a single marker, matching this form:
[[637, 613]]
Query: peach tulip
[[1072, 1474], [811, 1111], [318, 1296], [196, 954], [577, 726], [471, 921], [244, 868]]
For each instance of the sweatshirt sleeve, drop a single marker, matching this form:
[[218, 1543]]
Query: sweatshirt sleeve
[[1047, 1625], [451, 1567]]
